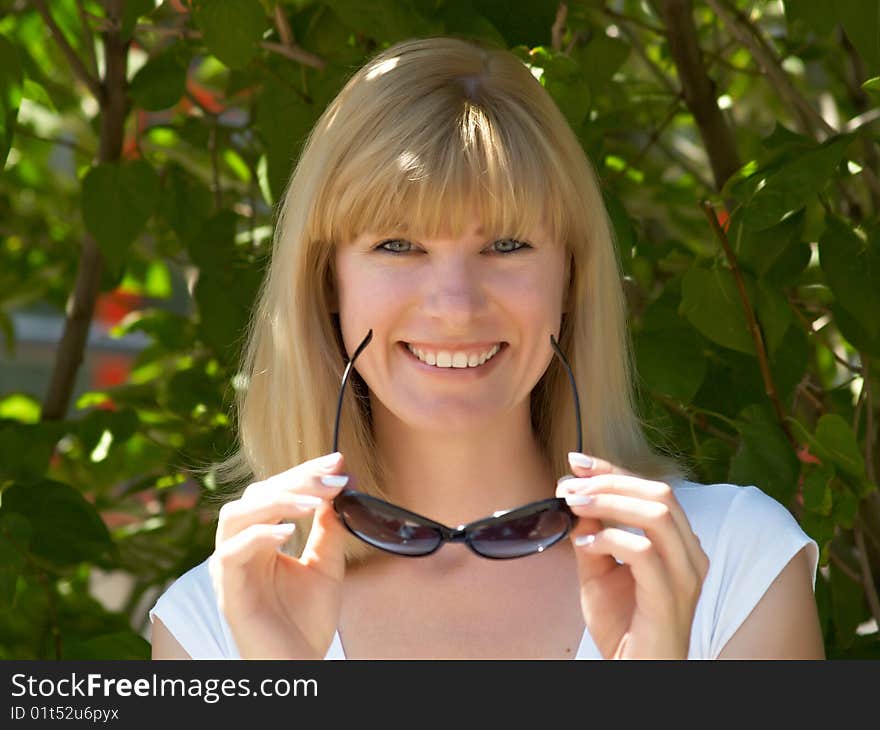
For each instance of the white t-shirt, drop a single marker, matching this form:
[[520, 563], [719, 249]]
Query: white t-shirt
[[748, 536]]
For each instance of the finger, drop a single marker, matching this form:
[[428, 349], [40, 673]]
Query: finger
[[265, 508], [634, 486], [325, 547], [637, 552], [249, 543], [587, 465], [653, 517], [304, 477]]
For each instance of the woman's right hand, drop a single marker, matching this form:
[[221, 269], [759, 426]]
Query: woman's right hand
[[279, 606]]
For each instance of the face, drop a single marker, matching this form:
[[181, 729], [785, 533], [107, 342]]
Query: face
[[481, 297]]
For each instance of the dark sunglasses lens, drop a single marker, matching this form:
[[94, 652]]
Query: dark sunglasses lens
[[515, 537], [386, 527]]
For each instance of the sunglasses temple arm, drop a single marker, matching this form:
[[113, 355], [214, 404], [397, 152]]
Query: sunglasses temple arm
[[574, 390], [345, 375]]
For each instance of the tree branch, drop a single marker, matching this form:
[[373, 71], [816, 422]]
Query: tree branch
[[75, 61], [699, 89], [740, 27], [754, 329], [81, 305], [88, 39], [558, 29]]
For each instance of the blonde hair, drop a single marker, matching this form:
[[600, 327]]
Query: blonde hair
[[422, 134]]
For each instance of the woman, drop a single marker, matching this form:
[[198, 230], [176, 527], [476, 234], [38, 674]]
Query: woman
[[444, 227]]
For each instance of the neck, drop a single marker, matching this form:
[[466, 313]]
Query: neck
[[458, 477]]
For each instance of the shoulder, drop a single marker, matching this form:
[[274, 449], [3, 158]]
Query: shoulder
[[749, 538], [722, 515], [189, 610]]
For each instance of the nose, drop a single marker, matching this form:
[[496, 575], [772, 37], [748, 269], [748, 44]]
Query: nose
[[455, 294]]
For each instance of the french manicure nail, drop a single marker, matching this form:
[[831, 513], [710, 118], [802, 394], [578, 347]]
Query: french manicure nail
[[334, 481], [578, 499], [329, 460], [285, 529], [581, 460], [584, 540]]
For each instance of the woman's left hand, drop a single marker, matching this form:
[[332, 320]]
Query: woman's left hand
[[644, 607]]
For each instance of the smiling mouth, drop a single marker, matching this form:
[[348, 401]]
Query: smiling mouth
[[452, 360]]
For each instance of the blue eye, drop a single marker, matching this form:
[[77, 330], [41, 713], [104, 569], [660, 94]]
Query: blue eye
[[397, 242], [381, 246], [520, 245]]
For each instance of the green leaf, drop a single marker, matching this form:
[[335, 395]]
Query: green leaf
[[116, 646], [795, 183], [15, 535], [565, 81], [20, 407], [25, 449], [530, 25], [185, 203], [854, 333], [788, 363], [386, 20], [848, 607], [284, 121], [818, 17], [121, 424], [711, 301], [460, 19], [10, 94], [131, 11], [773, 314], [821, 528], [117, 201], [861, 21], [836, 442], [671, 362], [852, 269], [764, 458], [172, 331], [601, 58], [817, 490], [160, 83], [759, 250], [845, 508], [232, 28], [66, 528]]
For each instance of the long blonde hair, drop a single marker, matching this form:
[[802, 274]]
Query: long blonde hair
[[420, 135]]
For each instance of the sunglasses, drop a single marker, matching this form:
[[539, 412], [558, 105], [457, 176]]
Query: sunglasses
[[514, 533]]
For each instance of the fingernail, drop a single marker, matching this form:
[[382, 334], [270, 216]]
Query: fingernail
[[307, 500], [578, 499], [334, 481], [285, 529], [329, 460], [581, 460], [584, 540]]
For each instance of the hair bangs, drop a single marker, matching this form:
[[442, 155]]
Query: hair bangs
[[451, 170]]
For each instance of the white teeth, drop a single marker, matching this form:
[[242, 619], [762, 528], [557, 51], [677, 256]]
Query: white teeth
[[447, 359]]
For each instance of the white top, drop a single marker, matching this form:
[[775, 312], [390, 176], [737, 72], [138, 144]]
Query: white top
[[748, 536]]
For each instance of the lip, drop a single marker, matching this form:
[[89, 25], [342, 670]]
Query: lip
[[465, 373]]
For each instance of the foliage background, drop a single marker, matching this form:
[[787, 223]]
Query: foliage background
[[737, 145]]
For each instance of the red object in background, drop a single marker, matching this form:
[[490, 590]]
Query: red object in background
[[723, 220], [204, 96], [113, 306], [806, 457], [110, 370]]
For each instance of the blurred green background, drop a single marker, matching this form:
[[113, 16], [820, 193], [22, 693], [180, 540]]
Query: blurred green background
[[144, 144]]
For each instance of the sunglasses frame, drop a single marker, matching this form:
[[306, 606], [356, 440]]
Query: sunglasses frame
[[463, 533]]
